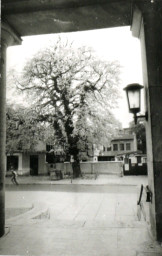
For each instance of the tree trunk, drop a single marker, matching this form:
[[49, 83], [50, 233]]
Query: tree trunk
[[76, 169], [73, 149], [75, 163]]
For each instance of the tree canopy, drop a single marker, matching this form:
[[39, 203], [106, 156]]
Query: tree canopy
[[74, 91], [140, 131], [23, 130]]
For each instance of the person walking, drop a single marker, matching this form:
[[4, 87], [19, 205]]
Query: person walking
[[14, 176]]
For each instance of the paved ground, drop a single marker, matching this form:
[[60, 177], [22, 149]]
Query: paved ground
[[95, 218], [101, 179]]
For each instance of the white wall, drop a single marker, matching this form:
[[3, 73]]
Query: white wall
[[105, 167]]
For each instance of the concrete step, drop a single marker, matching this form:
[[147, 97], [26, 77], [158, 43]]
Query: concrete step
[[36, 213]]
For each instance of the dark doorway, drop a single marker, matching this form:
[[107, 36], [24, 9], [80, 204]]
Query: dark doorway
[[34, 165], [12, 161]]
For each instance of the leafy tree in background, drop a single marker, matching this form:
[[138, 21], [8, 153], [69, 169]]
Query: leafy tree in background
[[74, 91], [23, 130], [140, 131]]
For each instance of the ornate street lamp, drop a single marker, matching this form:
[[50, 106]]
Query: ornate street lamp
[[133, 92]]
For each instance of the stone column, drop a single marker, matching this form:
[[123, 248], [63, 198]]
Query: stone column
[[147, 20], [20, 168], [8, 38]]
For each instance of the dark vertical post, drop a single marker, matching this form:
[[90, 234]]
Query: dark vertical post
[[8, 38], [148, 20], [2, 135]]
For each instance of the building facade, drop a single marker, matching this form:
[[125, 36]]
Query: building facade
[[28, 162], [122, 144]]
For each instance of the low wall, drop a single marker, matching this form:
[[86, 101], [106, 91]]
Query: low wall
[[105, 167]]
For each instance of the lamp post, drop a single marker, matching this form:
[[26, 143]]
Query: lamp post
[[133, 92]]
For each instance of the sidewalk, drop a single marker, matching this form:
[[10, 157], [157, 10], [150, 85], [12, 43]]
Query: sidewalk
[[101, 180]]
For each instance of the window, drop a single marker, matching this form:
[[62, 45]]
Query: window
[[108, 148], [128, 146], [115, 147], [122, 147], [139, 160]]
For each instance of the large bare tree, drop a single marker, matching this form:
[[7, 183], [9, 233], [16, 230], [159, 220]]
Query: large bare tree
[[75, 92]]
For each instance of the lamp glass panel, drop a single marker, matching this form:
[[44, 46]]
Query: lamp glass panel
[[134, 99]]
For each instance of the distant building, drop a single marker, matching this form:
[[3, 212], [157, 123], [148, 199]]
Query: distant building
[[28, 162], [124, 148], [135, 163], [119, 145]]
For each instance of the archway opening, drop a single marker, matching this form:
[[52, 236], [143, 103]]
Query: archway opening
[[128, 54]]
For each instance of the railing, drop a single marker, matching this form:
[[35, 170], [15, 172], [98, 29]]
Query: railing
[[148, 195], [142, 203], [140, 196]]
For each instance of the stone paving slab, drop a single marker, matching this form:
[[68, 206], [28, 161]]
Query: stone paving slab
[[35, 213], [12, 212], [42, 239]]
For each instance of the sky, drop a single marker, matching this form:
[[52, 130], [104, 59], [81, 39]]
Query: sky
[[109, 44]]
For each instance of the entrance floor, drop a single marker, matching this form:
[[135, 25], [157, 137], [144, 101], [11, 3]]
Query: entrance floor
[[80, 220]]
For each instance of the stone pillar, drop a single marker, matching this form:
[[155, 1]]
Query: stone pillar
[[146, 25], [8, 38], [20, 167]]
